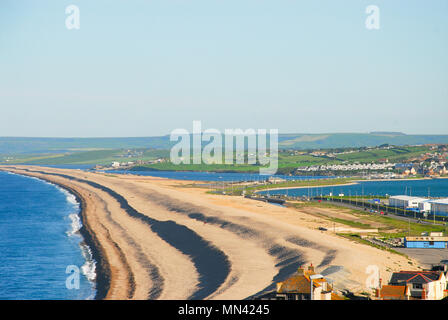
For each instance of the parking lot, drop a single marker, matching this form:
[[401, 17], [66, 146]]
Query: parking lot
[[427, 257]]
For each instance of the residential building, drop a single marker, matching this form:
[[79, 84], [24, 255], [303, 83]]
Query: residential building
[[299, 287], [393, 293], [424, 285]]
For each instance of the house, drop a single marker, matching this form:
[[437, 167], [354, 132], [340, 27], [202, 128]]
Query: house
[[305, 285], [424, 285], [393, 293]]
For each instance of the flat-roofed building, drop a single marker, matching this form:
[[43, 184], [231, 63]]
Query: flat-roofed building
[[437, 242], [439, 207], [424, 206], [405, 201]]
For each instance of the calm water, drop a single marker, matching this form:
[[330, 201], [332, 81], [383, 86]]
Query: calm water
[[434, 187], [38, 241], [211, 176]]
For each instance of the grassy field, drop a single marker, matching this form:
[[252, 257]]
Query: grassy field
[[393, 228], [288, 161], [22, 145], [93, 157]]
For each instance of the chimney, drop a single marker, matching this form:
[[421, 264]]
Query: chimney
[[300, 271], [377, 292], [423, 294], [279, 285], [381, 283], [311, 268]]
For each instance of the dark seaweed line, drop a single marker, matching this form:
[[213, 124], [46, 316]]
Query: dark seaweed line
[[128, 268], [288, 259], [211, 263], [157, 279]]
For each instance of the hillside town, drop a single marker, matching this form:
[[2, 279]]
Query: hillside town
[[432, 163]]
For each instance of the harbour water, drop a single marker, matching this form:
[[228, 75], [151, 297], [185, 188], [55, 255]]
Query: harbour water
[[422, 188], [213, 176]]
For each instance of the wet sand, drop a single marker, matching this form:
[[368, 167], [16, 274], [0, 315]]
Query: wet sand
[[155, 239]]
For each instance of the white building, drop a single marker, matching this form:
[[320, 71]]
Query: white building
[[405, 201], [424, 206], [439, 207], [115, 164]]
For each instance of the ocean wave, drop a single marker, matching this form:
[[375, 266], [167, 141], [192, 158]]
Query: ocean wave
[[89, 267], [75, 225]]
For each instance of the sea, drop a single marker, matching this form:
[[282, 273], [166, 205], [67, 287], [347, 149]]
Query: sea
[[42, 254]]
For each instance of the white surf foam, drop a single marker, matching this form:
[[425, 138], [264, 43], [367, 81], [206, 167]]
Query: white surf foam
[[75, 225], [89, 268]]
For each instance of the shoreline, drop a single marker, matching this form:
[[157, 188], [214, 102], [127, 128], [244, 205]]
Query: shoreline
[[102, 274], [303, 187]]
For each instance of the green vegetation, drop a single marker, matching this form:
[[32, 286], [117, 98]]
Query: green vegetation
[[24, 145], [90, 151], [393, 154], [93, 157], [350, 223], [289, 160], [392, 228]]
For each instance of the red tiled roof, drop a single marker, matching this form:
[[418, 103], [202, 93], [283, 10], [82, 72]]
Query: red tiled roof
[[393, 291]]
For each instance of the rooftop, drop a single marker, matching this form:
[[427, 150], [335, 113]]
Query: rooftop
[[300, 283], [415, 277], [440, 201], [393, 291], [427, 238], [401, 197]]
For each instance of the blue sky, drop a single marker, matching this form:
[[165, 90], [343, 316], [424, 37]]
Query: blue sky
[[142, 68]]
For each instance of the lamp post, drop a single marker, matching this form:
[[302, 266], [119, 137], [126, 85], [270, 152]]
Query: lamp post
[[312, 277]]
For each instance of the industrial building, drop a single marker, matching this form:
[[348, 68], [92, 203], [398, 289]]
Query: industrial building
[[424, 206], [432, 241], [405, 201], [439, 207]]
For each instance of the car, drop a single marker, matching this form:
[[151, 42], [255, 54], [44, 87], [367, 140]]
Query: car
[[322, 229]]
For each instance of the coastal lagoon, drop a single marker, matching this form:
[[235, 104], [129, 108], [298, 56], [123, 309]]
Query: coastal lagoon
[[420, 187], [213, 176], [39, 238]]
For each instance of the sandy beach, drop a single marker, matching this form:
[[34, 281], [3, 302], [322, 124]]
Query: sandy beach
[[154, 239]]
